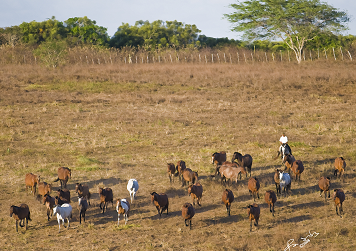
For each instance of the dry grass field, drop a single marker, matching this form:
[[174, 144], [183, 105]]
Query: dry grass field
[[110, 123]]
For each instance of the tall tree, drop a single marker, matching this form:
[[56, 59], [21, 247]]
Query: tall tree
[[293, 21], [84, 30]]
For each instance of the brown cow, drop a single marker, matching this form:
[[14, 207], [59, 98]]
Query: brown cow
[[20, 213], [340, 166], [339, 198], [244, 161], [253, 212], [31, 180], [64, 173], [324, 185], [180, 168], [253, 187], [171, 170], [188, 212], [196, 192], [160, 201], [270, 198], [189, 176], [227, 199]]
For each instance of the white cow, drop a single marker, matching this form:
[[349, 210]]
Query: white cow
[[63, 212], [132, 187]]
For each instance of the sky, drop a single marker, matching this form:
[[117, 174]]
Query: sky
[[207, 15]]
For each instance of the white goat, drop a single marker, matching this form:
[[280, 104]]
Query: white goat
[[132, 187], [63, 212]]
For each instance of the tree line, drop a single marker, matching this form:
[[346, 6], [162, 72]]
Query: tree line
[[81, 31]]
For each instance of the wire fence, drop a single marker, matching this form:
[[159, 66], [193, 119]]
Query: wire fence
[[82, 56]]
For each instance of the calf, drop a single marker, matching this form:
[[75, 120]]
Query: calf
[[160, 201], [227, 199], [253, 187], [31, 180], [82, 207], [196, 192], [339, 198], [270, 198], [324, 185], [106, 196], [122, 207], [188, 212], [253, 212], [20, 213]]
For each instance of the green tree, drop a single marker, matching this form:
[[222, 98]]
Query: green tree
[[293, 21], [155, 34], [85, 31], [38, 32]]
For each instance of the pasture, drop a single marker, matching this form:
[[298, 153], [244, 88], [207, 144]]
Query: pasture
[[111, 123]]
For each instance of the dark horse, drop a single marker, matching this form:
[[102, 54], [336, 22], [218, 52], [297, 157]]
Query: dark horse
[[244, 161]]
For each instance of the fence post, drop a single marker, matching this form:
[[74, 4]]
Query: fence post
[[238, 57], [224, 58], [350, 55], [342, 54], [266, 56], [334, 54], [280, 51], [326, 56], [171, 58], [273, 56], [212, 58]]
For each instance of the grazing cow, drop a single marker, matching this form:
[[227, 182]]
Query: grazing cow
[[43, 189], [188, 212], [31, 180], [196, 192], [160, 201], [189, 176], [50, 203], [270, 198], [82, 207], [339, 198], [122, 207], [63, 212], [227, 199], [83, 191], [132, 187], [180, 168], [253, 187], [64, 195], [276, 181], [340, 166], [64, 173], [20, 213], [106, 196], [253, 212], [324, 185], [171, 170], [285, 182], [244, 161]]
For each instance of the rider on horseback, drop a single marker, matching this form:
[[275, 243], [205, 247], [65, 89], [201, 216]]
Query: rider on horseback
[[284, 147]]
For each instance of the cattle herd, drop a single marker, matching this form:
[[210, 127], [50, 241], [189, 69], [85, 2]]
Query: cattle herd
[[229, 172]]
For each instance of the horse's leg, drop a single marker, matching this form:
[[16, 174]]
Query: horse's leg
[[68, 223], [190, 224], [336, 210], [250, 225], [325, 195]]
